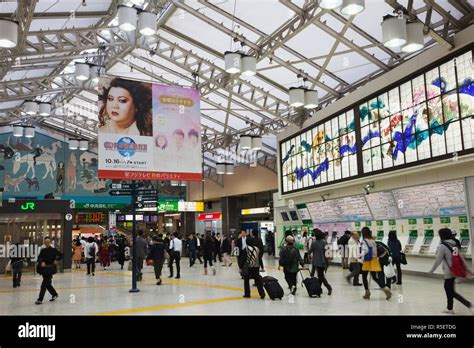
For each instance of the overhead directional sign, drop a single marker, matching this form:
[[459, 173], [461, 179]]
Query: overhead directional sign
[[147, 192], [120, 192], [147, 198], [120, 186]]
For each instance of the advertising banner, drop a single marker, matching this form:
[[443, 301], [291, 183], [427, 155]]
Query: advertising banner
[[148, 131]]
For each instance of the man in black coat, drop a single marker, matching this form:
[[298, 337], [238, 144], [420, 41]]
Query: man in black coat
[[47, 261], [242, 250], [259, 245], [192, 249]]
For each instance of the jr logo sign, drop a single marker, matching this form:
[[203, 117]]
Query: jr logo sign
[[28, 206]]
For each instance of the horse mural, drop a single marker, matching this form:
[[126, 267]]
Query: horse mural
[[47, 158]]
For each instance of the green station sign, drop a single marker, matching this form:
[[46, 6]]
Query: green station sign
[[462, 219], [392, 222], [167, 206], [28, 206], [445, 220], [111, 206], [428, 221], [379, 223], [368, 223], [357, 223], [412, 221]]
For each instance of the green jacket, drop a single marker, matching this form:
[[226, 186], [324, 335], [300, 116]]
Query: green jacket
[[290, 259]]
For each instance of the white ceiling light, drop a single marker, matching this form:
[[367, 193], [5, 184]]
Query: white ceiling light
[[73, 144], [249, 65], [229, 168], [297, 96], [394, 31], [147, 23], [82, 72], [17, 130], [352, 7], [127, 18], [311, 99], [256, 143], [220, 168], [245, 142], [31, 107], [29, 131], [8, 33], [45, 109], [415, 37], [83, 145], [330, 4], [232, 62]]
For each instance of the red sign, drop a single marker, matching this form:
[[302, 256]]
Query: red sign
[[211, 216]]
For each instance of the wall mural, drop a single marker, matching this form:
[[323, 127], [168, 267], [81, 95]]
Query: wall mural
[[44, 164], [428, 116]]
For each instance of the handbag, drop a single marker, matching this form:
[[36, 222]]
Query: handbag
[[403, 259], [389, 271]]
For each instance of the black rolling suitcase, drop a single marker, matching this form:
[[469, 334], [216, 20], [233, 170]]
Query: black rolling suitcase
[[312, 285], [272, 287]]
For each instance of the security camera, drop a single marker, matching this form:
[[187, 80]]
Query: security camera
[[325, 196], [368, 188]]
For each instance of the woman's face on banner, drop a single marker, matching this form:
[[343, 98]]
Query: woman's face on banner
[[160, 141], [120, 105]]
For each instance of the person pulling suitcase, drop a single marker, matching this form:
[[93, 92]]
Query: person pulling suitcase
[[312, 284]]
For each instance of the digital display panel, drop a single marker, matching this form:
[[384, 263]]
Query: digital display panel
[[294, 215], [89, 218], [284, 216]]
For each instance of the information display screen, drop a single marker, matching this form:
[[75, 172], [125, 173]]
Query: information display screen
[[89, 218]]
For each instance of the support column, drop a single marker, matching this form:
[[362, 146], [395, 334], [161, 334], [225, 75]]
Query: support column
[[230, 215], [469, 187]]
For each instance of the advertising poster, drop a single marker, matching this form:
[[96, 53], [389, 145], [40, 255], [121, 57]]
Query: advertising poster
[[148, 131]]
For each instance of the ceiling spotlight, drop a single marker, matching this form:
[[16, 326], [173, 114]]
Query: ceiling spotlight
[[415, 37], [31, 107], [84, 3], [245, 142], [73, 144], [232, 62], [82, 71], [249, 65], [229, 168], [83, 145], [394, 31], [8, 33], [29, 131], [311, 99], [44, 109], [330, 4], [220, 168], [127, 18], [17, 130], [147, 23], [297, 96], [256, 143], [352, 7]]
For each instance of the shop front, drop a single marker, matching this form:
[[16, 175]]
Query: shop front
[[209, 222], [28, 222]]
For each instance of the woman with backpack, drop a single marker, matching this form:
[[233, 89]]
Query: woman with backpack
[[371, 263], [320, 262], [453, 265], [290, 258], [250, 269]]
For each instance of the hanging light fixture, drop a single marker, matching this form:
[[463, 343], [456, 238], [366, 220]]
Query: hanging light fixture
[[249, 65], [73, 144], [220, 168], [229, 168], [82, 72], [311, 99], [8, 33], [256, 143], [245, 142], [330, 4], [31, 107], [127, 18], [44, 109], [83, 145], [394, 31], [29, 131], [297, 96], [352, 7], [147, 23], [415, 37], [17, 130], [233, 62]]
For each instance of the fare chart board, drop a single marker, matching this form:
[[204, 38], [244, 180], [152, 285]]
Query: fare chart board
[[353, 208], [383, 206], [440, 199]]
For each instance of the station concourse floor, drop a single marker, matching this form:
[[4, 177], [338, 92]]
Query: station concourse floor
[[107, 293]]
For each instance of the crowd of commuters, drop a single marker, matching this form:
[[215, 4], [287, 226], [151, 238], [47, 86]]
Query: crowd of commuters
[[362, 255]]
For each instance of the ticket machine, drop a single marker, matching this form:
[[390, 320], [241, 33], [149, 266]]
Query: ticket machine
[[411, 242], [428, 243], [465, 242]]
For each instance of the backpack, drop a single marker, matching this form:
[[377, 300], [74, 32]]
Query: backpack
[[286, 257], [92, 250], [252, 257], [458, 268], [368, 256]]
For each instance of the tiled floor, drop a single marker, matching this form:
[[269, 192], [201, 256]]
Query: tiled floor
[[199, 294]]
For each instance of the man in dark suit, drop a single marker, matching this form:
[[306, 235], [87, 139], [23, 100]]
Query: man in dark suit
[[242, 250]]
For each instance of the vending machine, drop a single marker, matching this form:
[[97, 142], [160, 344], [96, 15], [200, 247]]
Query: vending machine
[[380, 236], [465, 242], [428, 243], [412, 245]]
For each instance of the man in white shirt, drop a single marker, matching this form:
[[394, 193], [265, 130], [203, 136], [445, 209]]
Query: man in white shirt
[[90, 252], [355, 260], [176, 246]]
